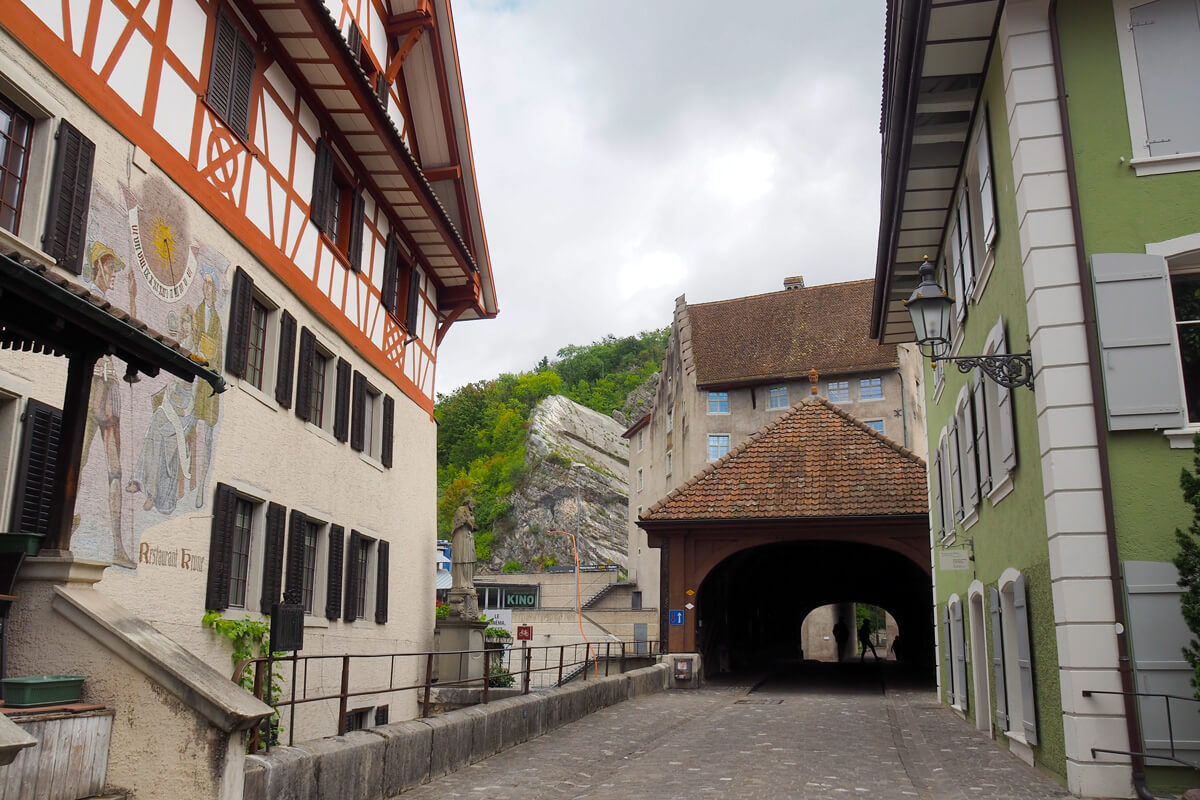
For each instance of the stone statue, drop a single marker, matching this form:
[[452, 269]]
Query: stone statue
[[464, 603]]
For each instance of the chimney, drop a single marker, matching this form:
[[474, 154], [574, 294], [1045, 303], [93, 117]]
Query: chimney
[[794, 282]]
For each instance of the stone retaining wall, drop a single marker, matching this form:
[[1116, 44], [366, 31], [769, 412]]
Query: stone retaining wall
[[382, 762]]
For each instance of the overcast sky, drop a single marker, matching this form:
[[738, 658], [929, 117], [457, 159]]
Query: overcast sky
[[631, 152]]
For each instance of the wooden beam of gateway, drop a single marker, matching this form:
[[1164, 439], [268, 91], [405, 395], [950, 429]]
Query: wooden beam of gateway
[[41, 311]]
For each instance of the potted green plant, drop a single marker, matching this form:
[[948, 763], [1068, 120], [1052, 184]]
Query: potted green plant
[[26, 542]]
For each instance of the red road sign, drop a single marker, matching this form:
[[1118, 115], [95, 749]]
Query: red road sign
[[524, 633]]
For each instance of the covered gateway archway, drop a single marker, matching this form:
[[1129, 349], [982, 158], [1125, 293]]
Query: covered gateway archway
[[816, 508]]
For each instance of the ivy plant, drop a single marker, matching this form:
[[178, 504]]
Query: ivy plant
[[250, 638], [1187, 561]]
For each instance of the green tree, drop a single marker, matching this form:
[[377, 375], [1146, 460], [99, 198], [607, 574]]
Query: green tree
[[1187, 561]]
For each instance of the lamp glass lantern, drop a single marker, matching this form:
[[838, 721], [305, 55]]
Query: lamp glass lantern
[[929, 306]]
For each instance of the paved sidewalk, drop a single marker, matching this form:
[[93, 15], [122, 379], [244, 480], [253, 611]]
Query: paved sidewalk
[[822, 734]]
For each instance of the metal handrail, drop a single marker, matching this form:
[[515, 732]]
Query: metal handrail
[[563, 668], [1167, 698]]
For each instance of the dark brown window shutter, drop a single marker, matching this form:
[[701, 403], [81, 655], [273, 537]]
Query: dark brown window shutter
[[333, 593], [350, 609], [388, 430], [286, 368], [322, 207], [381, 90], [220, 548], [358, 419], [295, 557], [241, 94], [389, 296], [381, 582], [237, 342], [304, 373], [341, 412], [354, 40], [381, 715], [70, 196], [37, 469], [221, 69], [355, 245], [272, 557], [412, 309]]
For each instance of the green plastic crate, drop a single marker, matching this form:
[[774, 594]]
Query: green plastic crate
[[21, 542], [42, 690]]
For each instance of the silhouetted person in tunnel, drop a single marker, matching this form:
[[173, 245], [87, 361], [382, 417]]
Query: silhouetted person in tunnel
[[840, 635], [864, 641]]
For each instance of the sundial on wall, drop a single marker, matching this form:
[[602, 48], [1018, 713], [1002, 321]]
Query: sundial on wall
[[161, 241]]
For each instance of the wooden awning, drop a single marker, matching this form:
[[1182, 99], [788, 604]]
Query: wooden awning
[[42, 311]]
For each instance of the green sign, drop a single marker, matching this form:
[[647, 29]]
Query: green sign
[[524, 597]]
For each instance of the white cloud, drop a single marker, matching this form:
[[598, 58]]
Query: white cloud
[[627, 153]]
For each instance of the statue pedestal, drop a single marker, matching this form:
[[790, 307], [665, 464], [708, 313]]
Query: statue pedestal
[[456, 634]]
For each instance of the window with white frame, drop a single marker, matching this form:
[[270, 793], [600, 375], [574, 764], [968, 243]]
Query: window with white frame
[[874, 424], [971, 234], [1185, 296], [669, 461], [641, 483], [999, 419], [641, 440], [27, 140], [1159, 45], [777, 397], [718, 445], [870, 389], [313, 534], [239, 562], [372, 414], [955, 651], [718, 402], [839, 391], [941, 475], [1016, 710]]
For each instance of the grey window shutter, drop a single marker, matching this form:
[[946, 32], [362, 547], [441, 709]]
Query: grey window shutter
[[1025, 660], [221, 68], [354, 40], [304, 373], [358, 419], [987, 187], [333, 592], [241, 94], [341, 411], [983, 455], [944, 500], [389, 294], [941, 493], [948, 649], [998, 658], [381, 90], [353, 586], [70, 198], [354, 247], [322, 206], [273, 545], [958, 280], [1166, 37], [381, 582], [1005, 423], [958, 635], [237, 341], [37, 469], [967, 434], [220, 548], [413, 308], [387, 431], [965, 245], [297, 527], [1139, 352], [956, 475], [286, 368]]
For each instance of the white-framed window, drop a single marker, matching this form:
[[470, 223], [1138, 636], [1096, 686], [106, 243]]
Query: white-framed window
[[372, 421], [942, 477], [669, 462], [718, 402], [718, 445], [321, 388], [955, 652], [241, 550], [316, 549], [1012, 656], [27, 174], [777, 397], [870, 389], [641, 483], [641, 440], [1159, 46], [968, 438], [998, 410], [1185, 300], [874, 424], [839, 391]]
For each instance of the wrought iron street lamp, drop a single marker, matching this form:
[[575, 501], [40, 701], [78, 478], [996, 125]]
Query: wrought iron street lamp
[[930, 307]]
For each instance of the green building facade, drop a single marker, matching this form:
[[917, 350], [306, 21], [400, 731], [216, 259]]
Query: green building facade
[[1045, 157]]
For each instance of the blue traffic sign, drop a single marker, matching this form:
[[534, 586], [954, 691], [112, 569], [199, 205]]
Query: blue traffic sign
[[676, 616]]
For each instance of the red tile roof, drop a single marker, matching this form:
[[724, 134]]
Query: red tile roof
[[814, 461], [784, 334]]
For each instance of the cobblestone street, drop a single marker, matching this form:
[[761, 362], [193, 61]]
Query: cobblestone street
[[823, 733]]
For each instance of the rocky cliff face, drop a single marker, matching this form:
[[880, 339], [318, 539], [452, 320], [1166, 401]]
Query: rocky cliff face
[[562, 434]]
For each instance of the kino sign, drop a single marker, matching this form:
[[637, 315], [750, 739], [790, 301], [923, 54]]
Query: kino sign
[[520, 598]]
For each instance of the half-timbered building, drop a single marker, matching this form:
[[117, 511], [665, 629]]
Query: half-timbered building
[[285, 189]]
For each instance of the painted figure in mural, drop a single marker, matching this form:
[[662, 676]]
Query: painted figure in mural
[[166, 462], [104, 402], [206, 327], [464, 603]]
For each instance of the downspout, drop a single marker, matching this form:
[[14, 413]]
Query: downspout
[[1132, 723]]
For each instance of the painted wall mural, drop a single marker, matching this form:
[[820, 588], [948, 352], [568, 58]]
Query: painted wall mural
[[148, 445]]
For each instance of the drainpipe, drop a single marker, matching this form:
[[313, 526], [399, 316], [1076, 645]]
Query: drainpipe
[[1132, 723]]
